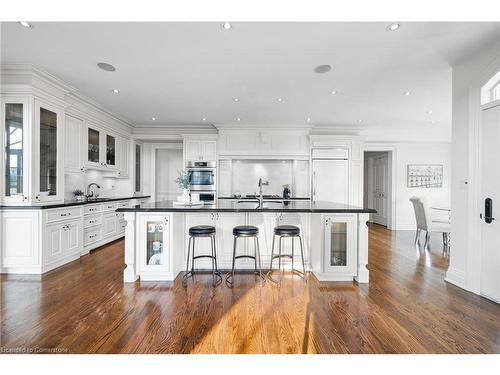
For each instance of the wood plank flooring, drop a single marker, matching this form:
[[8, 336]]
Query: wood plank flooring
[[84, 307]]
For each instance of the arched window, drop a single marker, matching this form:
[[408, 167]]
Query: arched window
[[491, 90]]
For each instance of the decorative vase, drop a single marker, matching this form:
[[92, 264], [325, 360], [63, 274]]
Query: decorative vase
[[185, 196]]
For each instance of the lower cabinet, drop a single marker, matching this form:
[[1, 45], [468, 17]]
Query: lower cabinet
[[266, 223], [339, 253], [62, 240], [154, 233], [109, 224]]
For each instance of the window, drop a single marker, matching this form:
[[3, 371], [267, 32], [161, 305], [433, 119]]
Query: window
[[491, 90], [138, 171]]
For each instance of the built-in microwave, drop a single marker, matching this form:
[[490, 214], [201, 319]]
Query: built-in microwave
[[202, 175]]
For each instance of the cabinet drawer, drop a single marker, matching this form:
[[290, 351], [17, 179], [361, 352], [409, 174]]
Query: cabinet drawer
[[91, 236], [92, 209], [92, 220], [63, 214], [127, 203], [121, 226], [108, 207], [120, 216]]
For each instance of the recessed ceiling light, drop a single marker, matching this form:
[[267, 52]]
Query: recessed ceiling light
[[153, 118], [227, 26], [407, 93], [238, 119], [204, 119], [333, 92], [236, 100], [279, 99], [393, 27], [308, 119], [429, 112], [320, 69], [360, 121], [107, 67], [116, 91], [25, 24]]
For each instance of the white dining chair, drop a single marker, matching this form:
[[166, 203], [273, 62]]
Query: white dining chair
[[426, 223]]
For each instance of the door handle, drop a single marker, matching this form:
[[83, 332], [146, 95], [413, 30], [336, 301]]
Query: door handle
[[488, 211], [314, 184]]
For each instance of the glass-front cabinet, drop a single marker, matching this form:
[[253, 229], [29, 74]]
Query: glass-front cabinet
[[101, 150], [15, 133], [340, 245], [49, 168], [155, 252], [93, 146]]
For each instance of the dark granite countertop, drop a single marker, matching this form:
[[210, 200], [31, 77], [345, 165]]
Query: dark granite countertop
[[232, 205], [268, 197], [69, 203]]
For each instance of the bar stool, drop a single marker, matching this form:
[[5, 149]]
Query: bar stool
[[286, 231], [198, 232], [248, 231]]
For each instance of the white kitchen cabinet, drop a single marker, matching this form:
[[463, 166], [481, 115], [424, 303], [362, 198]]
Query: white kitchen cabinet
[[301, 220], [109, 224], [339, 247], [154, 242], [62, 240], [262, 143], [14, 139], [330, 180], [99, 149], [196, 150], [73, 144], [123, 152], [48, 152]]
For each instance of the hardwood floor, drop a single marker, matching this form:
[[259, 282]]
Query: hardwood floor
[[407, 308]]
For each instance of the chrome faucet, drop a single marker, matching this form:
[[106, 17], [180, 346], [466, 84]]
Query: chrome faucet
[[261, 198], [90, 193]]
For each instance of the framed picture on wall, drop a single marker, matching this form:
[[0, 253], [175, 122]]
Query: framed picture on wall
[[425, 175]]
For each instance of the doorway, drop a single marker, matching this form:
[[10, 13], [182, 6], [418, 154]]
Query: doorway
[[168, 163], [378, 185]]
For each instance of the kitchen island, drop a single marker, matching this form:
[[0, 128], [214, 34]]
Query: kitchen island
[[335, 236]]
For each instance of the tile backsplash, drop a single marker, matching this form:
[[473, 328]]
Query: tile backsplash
[[73, 182]]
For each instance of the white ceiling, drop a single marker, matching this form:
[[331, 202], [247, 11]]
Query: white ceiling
[[182, 72]]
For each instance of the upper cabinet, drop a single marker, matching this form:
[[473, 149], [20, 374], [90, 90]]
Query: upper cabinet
[[49, 152], [90, 147], [32, 137], [73, 145], [14, 137], [262, 143], [200, 149], [101, 150]]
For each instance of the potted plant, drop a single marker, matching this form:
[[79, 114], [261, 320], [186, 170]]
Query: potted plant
[[183, 182], [79, 195]]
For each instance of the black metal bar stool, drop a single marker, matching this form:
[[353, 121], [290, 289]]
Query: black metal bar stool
[[197, 232], [286, 231], [246, 231]]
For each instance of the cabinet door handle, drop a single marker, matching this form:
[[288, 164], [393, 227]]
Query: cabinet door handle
[[66, 214]]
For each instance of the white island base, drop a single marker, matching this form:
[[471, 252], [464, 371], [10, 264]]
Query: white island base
[[335, 244]]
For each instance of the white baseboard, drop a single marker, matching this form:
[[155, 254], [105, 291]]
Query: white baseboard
[[456, 277]]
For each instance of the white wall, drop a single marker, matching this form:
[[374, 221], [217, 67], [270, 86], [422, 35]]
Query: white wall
[[468, 77], [420, 153], [405, 153]]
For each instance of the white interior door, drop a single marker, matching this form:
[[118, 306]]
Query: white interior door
[[380, 189], [331, 181], [490, 188]]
